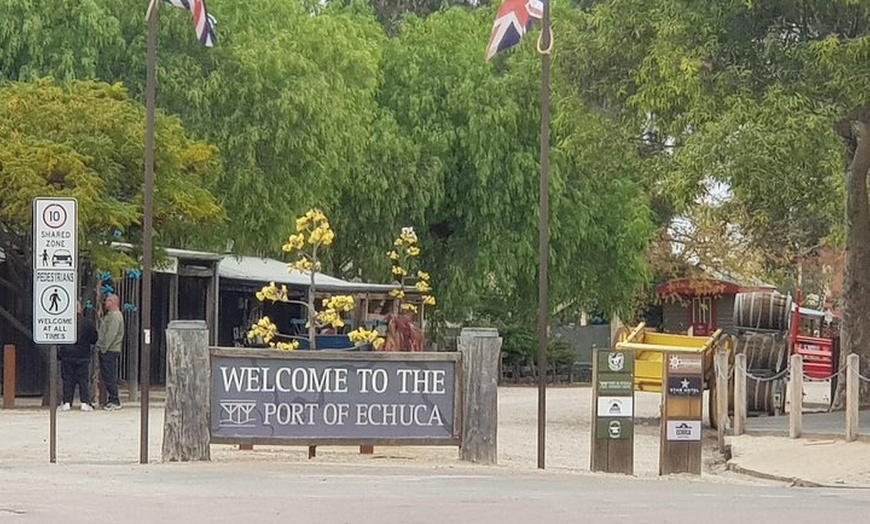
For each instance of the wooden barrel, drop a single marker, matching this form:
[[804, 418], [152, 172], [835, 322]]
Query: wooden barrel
[[762, 310], [766, 356]]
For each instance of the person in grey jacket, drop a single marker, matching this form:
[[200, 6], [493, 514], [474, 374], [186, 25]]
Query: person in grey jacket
[[109, 343]]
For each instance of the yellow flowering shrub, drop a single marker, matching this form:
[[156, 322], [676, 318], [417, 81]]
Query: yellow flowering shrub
[[405, 253], [313, 233], [366, 336]]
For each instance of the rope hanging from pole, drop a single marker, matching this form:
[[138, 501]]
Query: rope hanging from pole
[[540, 42]]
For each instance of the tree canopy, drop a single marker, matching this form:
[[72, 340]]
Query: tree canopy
[[384, 116], [83, 139]]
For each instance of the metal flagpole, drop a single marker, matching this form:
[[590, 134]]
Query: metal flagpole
[[147, 226], [545, 45]]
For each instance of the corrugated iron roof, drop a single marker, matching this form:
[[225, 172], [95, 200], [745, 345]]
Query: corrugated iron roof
[[256, 269]]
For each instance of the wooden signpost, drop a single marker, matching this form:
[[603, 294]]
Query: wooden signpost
[[613, 412], [682, 410]]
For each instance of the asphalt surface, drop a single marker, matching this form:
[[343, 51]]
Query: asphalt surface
[[325, 494]]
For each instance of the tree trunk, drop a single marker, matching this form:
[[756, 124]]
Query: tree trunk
[[855, 330]]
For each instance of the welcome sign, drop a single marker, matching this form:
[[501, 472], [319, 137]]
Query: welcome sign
[[338, 397]]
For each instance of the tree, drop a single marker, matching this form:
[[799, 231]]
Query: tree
[[83, 140], [476, 127], [326, 109], [750, 94]]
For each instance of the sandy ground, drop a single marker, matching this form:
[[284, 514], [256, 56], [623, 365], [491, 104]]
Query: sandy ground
[[113, 437], [101, 437]]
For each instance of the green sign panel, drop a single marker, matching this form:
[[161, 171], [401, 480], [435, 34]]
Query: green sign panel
[[615, 384], [614, 428], [615, 362]]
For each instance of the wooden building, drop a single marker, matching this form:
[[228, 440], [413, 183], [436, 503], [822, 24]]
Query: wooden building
[[195, 285], [702, 304]]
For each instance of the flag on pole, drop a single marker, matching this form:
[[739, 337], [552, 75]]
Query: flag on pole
[[512, 22], [203, 23]]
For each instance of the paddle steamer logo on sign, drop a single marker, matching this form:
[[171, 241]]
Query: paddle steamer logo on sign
[[616, 361]]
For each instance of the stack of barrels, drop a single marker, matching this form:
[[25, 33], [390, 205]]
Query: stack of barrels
[[762, 320]]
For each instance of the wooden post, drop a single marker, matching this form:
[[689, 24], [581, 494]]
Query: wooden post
[[795, 416], [188, 390], [852, 399], [739, 394], [721, 369], [682, 410], [612, 411], [481, 349], [8, 376]]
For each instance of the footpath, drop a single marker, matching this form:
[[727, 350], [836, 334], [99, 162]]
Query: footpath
[[807, 461]]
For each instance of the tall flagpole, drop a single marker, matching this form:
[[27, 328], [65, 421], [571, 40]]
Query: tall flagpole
[[147, 229], [545, 45]]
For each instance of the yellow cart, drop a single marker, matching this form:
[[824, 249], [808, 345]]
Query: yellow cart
[[649, 348]]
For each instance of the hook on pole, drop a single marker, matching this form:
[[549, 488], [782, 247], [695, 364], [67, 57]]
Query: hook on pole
[[540, 40]]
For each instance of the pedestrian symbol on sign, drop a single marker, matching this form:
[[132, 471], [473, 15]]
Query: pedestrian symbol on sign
[[55, 300]]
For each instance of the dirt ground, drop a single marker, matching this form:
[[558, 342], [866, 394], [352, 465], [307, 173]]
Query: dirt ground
[[112, 437]]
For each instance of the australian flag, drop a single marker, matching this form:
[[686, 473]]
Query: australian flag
[[203, 23], [513, 20]]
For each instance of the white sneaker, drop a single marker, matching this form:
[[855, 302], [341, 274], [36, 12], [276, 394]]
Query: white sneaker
[[87, 407], [64, 407]]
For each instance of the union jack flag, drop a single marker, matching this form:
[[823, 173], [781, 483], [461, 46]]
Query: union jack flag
[[514, 19], [203, 23]]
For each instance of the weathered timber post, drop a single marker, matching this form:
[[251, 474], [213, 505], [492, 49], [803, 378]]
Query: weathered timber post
[[8, 376], [481, 349], [188, 391], [739, 394], [721, 370], [795, 415], [852, 398]]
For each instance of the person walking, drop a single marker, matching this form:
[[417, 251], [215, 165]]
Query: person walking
[[111, 337], [75, 364]]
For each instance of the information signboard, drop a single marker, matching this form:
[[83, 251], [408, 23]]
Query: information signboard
[[55, 270], [681, 429], [613, 412], [343, 399]]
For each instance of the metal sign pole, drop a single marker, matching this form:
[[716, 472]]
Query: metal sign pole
[[147, 233], [55, 288], [52, 403], [545, 46]]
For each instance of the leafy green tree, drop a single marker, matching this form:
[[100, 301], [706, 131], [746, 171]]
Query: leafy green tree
[[315, 105], [757, 95], [477, 129], [84, 140]]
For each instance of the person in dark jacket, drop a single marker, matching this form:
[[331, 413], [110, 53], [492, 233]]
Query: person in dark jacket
[[75, 364]]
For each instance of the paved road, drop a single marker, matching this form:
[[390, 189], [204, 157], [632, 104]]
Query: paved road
[[326, 494]]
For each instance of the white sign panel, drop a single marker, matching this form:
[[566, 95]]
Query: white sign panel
[[615, 406], [684, 430], [55, 270]]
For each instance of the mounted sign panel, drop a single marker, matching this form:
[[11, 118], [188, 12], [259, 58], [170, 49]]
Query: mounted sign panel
[[55, 270], [613, 411], [681, 430]]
